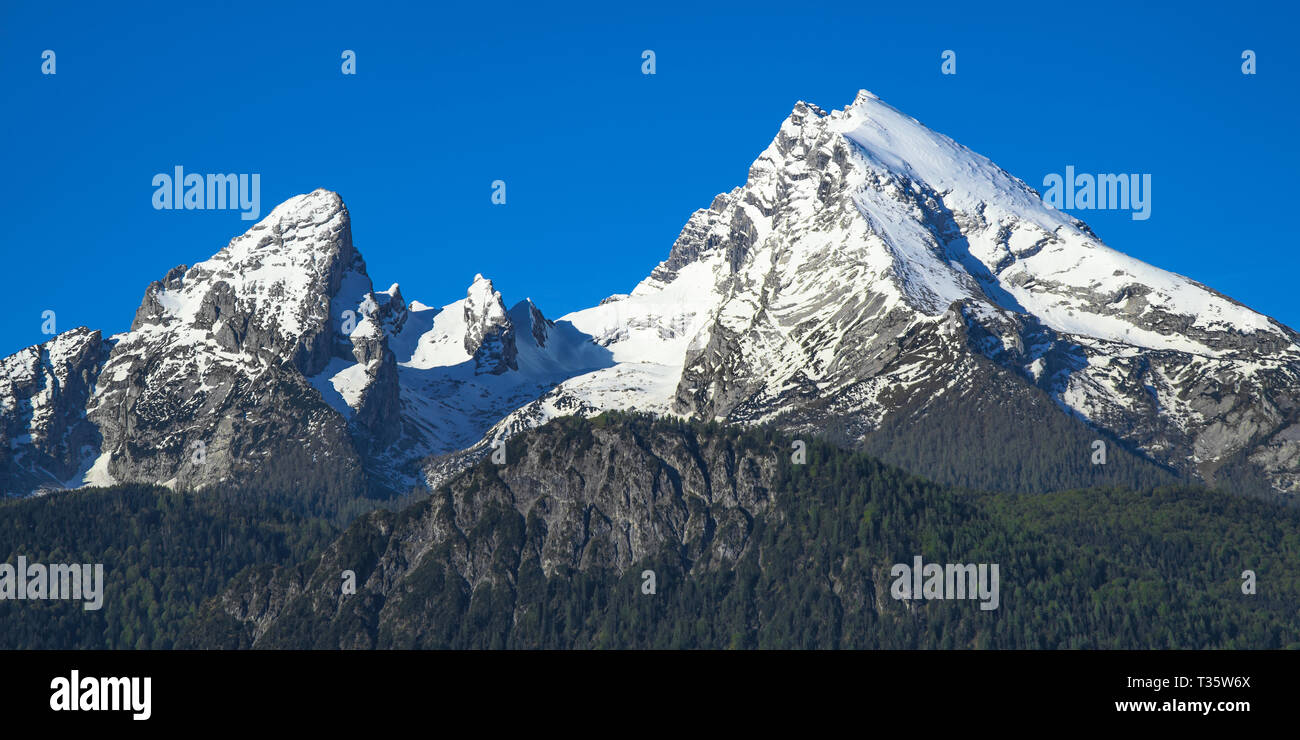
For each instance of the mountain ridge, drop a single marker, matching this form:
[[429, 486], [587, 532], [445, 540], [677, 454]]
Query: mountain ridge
[[869, 271], [627, 531]]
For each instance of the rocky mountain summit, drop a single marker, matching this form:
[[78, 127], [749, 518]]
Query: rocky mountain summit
[[872, 276], [871, 279]]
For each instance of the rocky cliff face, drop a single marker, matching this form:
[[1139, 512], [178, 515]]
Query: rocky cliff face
[[867, 258], [210, 384], [583, 498], [489, 333], [45, 440], [627, 532]]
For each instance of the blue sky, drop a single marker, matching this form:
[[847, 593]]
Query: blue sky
[[603, 165]]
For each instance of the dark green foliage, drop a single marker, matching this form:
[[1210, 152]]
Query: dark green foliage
[[1022, 444], [1084, 569], [1098, 568], [163, 554]]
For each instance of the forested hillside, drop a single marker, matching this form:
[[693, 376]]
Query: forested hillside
[[751, 549], [163, 554]]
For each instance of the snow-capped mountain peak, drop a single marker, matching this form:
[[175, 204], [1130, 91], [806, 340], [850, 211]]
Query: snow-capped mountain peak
[[858, 233], [868, 274], [489, 333]]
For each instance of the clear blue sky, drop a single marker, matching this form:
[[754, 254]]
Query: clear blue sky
[[603, 165]]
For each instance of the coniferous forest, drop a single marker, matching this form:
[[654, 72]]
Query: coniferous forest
[[1109, 567]]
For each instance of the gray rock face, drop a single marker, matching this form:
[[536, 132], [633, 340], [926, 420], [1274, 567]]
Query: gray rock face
[[275, 359], [489, 333], [211, 384], [867, 261], [538, 325], [620, 496], [45, 439]]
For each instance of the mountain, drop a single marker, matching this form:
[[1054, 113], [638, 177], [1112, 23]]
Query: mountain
[[875, 278], [277, 358], [749, 549], [210, 383], [872, 281], [46, 441]]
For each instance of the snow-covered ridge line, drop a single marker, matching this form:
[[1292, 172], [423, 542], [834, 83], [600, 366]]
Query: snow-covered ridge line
[[866, 270]]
